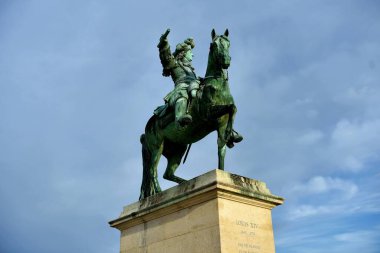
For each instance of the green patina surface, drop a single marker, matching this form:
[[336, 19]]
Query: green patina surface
[[196, 107]]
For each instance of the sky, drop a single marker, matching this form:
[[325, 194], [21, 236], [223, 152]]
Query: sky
[[79, 80]]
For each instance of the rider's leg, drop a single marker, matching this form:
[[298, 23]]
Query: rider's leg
[[193, 88], [181, 115]]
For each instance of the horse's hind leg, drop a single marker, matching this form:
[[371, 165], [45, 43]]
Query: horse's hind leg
[[174, 153]]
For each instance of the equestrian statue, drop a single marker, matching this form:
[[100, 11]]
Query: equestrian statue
[[193, 109]]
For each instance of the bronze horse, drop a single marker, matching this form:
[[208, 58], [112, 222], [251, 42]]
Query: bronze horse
[[213, 109]]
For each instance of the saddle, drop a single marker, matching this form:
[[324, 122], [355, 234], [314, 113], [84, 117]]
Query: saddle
[[165, 114]]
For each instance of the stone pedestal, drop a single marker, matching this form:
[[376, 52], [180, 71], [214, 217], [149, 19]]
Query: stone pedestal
[[215, 212]]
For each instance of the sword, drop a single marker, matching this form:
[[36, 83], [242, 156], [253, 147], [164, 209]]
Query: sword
[[187, 152]]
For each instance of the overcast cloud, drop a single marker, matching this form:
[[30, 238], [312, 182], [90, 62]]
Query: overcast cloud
[[79, 80]]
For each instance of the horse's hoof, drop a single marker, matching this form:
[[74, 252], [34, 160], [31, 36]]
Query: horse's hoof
[[230, 144], [237, 138]]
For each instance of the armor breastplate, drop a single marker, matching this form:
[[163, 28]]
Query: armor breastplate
[[183, 74]]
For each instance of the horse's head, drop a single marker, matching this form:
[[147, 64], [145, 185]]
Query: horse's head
[[220, 49]]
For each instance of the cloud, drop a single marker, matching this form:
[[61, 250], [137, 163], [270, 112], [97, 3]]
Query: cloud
[[338, 191], [308, 210], [330, 241], [319, 184], [323, 197], [79, 80], [361, 237], [353, 144], [311, 137]]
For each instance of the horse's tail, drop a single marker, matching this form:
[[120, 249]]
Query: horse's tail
[[149, 185], [147, 177]]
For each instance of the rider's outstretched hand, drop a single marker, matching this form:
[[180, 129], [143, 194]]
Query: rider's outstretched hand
[[163, 39], [165, 35]]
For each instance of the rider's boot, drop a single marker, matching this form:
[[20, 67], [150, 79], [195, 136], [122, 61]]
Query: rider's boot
[[235, 137], [181, 116]]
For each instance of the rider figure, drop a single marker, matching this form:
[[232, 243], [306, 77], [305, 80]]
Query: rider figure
[[178, 66]]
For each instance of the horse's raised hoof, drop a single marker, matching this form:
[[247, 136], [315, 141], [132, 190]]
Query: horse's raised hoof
[[185, 120], [236, 137]]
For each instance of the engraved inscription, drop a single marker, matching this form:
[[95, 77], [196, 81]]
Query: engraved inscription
[[248, 231], [247, 224], [248, 248]]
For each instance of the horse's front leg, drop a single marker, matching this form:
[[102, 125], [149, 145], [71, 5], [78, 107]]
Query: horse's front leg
[[221, 153], [221, 146], [231, 113]]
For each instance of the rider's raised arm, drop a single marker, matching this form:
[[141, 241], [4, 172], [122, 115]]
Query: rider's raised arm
[[166, 57]]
